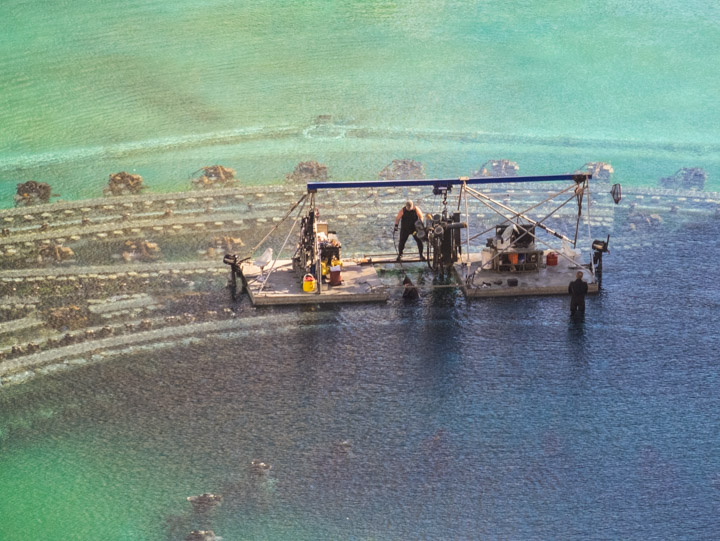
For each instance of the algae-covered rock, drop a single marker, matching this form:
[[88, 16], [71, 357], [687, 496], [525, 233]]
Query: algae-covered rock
[[214, 176], [32, 192], [687, 178], [72, 317], [307, 172], [124, 183], [56, 252], [403, 170]]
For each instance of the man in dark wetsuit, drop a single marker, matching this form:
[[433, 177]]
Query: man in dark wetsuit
[[578, 289], [410, 291], [406, 218]]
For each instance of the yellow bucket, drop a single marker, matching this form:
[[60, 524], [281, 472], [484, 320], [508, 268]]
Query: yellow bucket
[[308, 283]]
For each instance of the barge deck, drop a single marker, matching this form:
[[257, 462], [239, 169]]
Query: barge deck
[[546, 280], [360, 283]]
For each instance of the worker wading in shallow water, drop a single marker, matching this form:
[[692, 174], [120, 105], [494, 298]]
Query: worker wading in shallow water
[[406, 219], [578, 289], [410, 291]]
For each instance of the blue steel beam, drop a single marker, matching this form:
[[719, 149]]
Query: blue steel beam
[[439, 182]]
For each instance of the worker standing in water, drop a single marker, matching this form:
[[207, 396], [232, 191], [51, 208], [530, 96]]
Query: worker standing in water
[[410, 291], [578, 289], [406, 219]]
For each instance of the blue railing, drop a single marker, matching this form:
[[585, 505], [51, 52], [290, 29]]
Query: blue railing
[[446, 183]]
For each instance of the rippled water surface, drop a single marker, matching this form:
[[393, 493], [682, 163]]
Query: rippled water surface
[[94, 87], [444, 419]]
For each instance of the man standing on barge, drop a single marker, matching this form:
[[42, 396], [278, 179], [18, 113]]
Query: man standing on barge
[[578, 289], [406, 218]]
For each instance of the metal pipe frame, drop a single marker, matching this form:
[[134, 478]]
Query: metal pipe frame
[[441, 182]]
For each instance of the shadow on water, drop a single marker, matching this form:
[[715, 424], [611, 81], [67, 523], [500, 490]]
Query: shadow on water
[[577, 339]]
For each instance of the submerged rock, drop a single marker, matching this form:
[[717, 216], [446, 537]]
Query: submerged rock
[[308, 171], [205, 502], [214, 176], [260, 468], [141, 250], [403, 170], [687, 178], [326, 127], [123, 183], [227, 244], [639, 218], [342, 447], [202, 535], [497, 168], [56, 252], [71, 316], [599, 170], [32, 192]]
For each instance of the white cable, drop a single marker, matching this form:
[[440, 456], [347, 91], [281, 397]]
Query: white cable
[[272, 267]]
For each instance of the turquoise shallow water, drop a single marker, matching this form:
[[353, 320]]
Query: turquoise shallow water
[[606, 430], [93, 87]]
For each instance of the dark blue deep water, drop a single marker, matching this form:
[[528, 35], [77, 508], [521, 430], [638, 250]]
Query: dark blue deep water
[[445, 419]]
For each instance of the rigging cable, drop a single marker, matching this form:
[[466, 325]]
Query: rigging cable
[[579, 196], [478, 196], [516, 214], [272, 267], [592, 259], [289, 212]]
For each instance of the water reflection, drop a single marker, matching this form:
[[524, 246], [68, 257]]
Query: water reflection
[[577, 339]]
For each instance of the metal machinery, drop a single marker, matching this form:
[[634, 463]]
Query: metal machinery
[[306, 253], [599, 247], [234, 262], [444, 245], [442, 232]]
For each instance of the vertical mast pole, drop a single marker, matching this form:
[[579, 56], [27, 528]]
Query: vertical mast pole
[[316, 248], [579, 197], [590, 242], [467, 221]]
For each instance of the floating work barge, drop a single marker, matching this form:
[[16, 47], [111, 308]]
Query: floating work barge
[[515, 260]]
